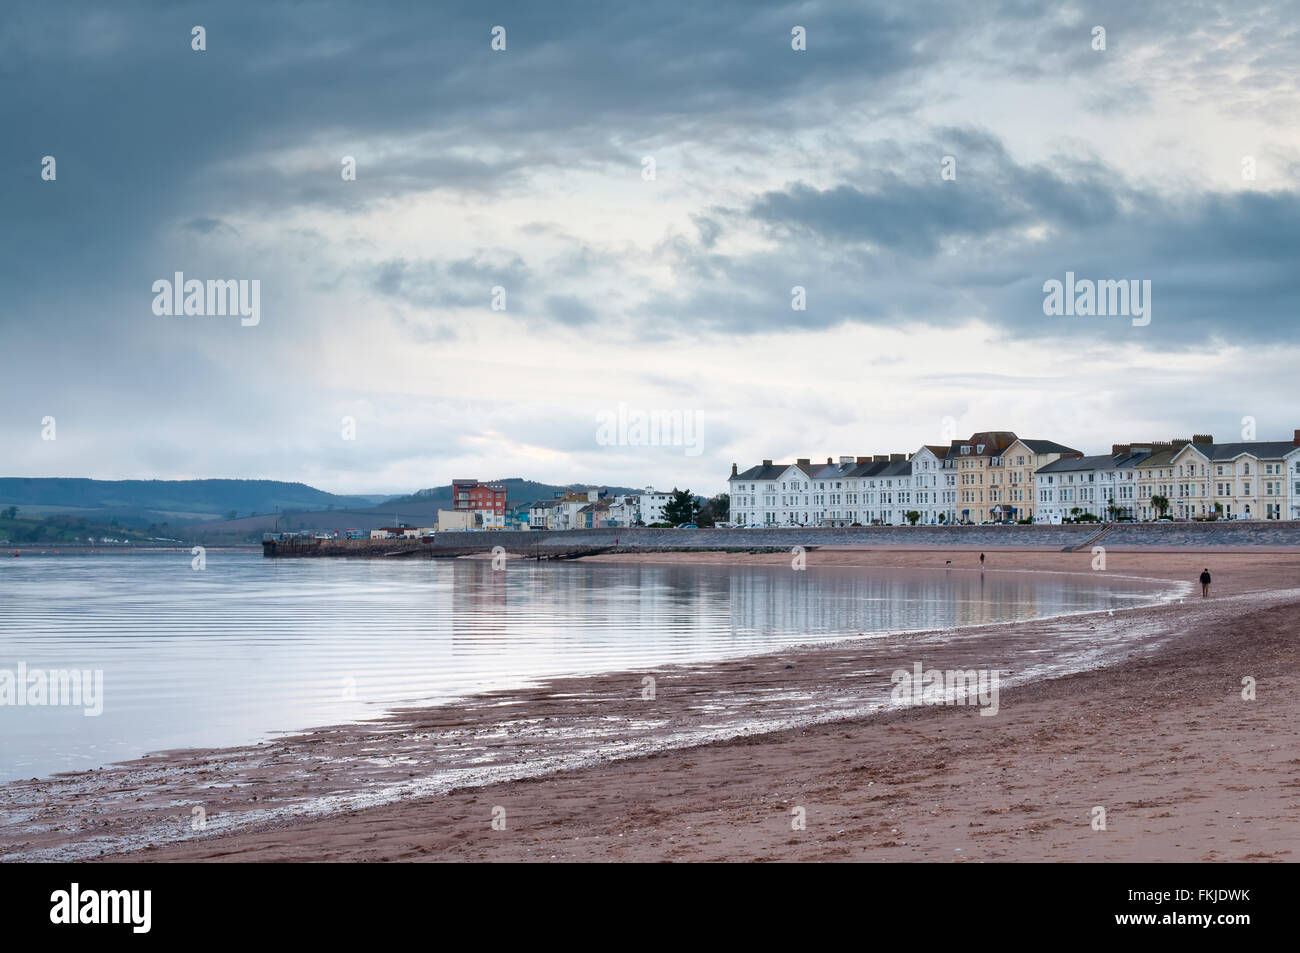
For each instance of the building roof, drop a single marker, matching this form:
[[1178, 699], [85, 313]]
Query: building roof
[[1263, 449], [1070, 464], [765, 471], [834, 471], [869, 468], [1048, 446], [770, 471], [993, 442], [1163, 456], [1108, 461]]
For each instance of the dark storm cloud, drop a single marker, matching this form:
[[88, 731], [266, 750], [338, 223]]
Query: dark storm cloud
[[148, 132], [911, 246], [150, 136]]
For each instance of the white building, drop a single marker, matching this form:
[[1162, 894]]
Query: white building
[[1247, 480], [934, 485], [856, 490], [539, 514], [623, 510], [1106, 486], [650, 506]]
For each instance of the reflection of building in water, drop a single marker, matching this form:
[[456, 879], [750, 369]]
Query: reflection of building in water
[[833, 601], [478, 600], [584, 612]]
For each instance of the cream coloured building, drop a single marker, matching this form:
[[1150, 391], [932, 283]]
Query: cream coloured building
[[1012, 475], [973, 462], [1246, 480]]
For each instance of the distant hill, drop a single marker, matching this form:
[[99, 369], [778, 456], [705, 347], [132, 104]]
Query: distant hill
[[201, 510], [418, 509], [177, 501]]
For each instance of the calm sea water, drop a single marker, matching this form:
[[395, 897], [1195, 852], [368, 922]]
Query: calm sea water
[[249, 647]]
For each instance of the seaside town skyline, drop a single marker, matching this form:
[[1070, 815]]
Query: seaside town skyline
[[997, 476], [991, 476]]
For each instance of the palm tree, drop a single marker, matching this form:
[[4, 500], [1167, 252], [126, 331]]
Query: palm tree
[[1161, 503]]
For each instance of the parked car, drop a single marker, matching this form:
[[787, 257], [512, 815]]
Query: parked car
[[688, 526]]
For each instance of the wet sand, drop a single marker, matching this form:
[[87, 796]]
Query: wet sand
[[1160, 737]]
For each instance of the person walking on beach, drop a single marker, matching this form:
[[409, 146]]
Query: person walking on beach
[[981, 562], [1205, 583]]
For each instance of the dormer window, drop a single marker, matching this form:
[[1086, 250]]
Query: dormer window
[[980, 448]]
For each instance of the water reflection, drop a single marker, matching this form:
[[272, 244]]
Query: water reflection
[[250, 646]]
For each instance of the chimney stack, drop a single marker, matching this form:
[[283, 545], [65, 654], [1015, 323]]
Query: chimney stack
[[880, 458], [803, 462], [1296, 440], [767, 463], [897, 457], [1203, 438], [733, 469], [868, 459]]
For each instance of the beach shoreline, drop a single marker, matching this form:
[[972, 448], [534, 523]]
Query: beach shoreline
[[748, 738]]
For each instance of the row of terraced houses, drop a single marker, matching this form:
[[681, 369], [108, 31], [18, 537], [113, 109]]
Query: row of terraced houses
[[996, 476]]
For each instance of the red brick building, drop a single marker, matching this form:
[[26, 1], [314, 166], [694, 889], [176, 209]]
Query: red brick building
[[488, 499]]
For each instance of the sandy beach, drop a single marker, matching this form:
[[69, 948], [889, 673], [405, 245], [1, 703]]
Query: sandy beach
[[726, 755]]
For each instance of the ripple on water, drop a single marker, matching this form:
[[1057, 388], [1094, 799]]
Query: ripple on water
[[252, 647]]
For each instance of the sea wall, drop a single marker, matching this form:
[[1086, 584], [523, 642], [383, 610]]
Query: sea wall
[[571, 543]]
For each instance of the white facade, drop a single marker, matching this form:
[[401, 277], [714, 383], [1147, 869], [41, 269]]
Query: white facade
[[623, 510], [564, 514], [1088, 485], [1250, 480], [650, 506], [769, 495], [539, 515], [859, 490], [1246, 481], [934, 487]]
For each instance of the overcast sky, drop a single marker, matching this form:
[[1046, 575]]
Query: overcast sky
[[524, 169]]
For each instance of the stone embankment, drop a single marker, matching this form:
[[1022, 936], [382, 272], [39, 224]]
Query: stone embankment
[[574, 543]]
